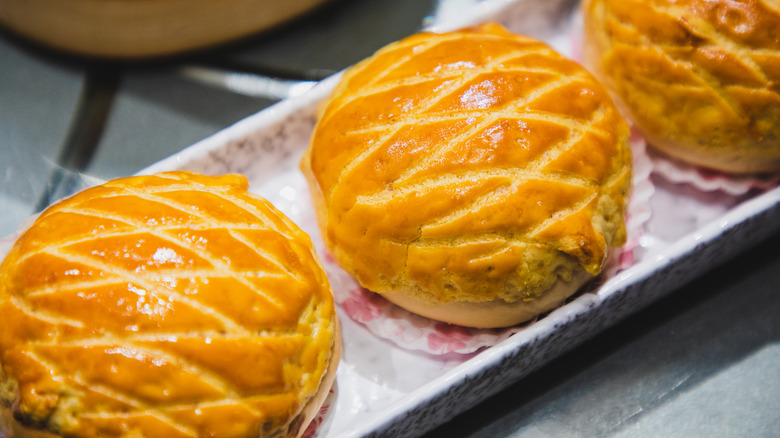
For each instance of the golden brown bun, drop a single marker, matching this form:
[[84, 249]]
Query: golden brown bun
[[700, 78], [171, 305], [470, 167]]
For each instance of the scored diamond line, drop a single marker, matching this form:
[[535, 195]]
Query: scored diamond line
[[532, 171], [49, 317], [258, 250], [81, 238], [577, 131], [455, 215], [451, 75], [119, 395], [578, 135], [526, 238], [705, 80], [486, 120], [721, 40], [223, 268], [213, 380], [74, 286], [247, 207], [152, 195], [425, 106], [424, 47], [91, 341], [378, 77], [143, 283], [206, 376], [512, 174], [175, 407], [489, 67], [502, 113], [154, 276]]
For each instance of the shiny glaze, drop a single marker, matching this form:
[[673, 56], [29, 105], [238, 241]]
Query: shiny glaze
[[701, 78], [453, 163], [167, 305]]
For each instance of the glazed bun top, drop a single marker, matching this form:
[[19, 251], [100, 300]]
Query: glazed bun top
[[469, 165], [173, 305], [700, 78]]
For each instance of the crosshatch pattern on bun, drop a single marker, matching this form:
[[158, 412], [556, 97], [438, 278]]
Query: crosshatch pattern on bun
[[700, 78], [464, 175], [171, 305]]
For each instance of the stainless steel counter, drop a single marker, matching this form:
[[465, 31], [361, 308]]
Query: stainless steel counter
[[704, 361]]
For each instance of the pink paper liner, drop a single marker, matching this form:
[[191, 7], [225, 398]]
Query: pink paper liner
[[321, 417], [414, 332], [708, 180]]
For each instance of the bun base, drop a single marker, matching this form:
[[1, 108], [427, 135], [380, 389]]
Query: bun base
[[740, 160], [496, 313]]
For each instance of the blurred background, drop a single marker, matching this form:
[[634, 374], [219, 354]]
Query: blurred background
[[68, 120]]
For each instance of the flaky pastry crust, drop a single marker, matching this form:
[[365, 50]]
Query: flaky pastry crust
[[469, 167], [170, 305], [699, 78]]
